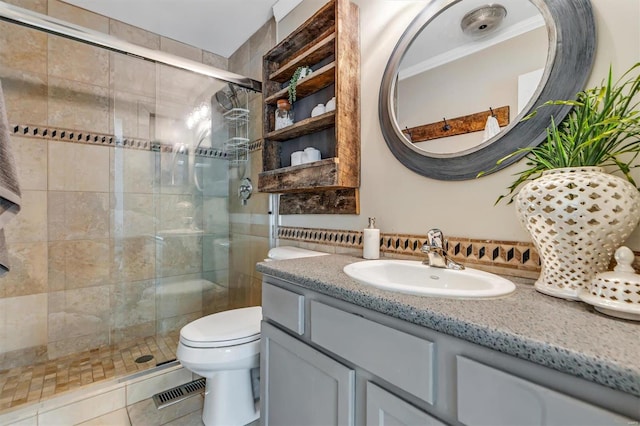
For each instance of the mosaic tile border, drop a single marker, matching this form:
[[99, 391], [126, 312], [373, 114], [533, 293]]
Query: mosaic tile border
[[499, 255], [256, 145], [504, 254], [93, 138]]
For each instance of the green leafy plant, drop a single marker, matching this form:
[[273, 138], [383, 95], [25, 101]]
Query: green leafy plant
[[602, 129], [293, 83]]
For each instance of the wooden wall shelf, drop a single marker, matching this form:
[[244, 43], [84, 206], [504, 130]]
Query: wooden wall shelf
[[324, 48], [329, 43], [302, 38], [304, 127], [309, 85], [305, 177], [339, 201]]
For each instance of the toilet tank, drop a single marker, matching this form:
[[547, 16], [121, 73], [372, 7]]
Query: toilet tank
[[288, 252]]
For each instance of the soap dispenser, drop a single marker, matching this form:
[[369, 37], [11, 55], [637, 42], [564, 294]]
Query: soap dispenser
[[371, 240]]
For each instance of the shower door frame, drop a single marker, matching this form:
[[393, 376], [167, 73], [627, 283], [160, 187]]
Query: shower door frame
[[30, 19]]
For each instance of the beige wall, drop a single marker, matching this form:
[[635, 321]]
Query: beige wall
[[405, 202]]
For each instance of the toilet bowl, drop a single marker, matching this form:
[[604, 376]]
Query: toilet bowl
[[223, 348]]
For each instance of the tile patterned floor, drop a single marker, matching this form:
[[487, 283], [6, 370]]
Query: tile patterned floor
[[28, 384]]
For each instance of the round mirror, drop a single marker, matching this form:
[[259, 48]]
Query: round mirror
[[465, 73]]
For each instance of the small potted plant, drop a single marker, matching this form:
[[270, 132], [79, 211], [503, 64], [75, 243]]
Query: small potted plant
[[298, 74], [576, 213], [284, 115]]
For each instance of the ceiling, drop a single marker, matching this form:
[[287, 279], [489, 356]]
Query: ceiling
[[222, 26], [442, 40], [218, 26]]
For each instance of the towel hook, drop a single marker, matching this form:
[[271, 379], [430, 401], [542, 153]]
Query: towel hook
[[446, 127], [408, 132], [492, 113]]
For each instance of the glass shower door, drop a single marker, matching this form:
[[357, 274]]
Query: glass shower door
[[171, 201]]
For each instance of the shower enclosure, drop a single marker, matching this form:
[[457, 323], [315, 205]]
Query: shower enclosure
[[124, 165]]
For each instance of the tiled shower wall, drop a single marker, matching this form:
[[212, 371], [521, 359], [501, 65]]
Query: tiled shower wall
[[99, 252], [249, 223]]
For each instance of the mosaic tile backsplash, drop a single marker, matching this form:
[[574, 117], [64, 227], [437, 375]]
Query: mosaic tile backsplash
[[517, 257], [513, 258]]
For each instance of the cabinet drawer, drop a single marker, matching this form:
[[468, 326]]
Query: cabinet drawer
[[284, 307], [384, 408], [487, 396], [379, 349]]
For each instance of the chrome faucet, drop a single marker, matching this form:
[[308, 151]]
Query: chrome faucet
[[436, 253]]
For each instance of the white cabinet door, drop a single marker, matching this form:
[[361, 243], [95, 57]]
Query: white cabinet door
[[487, 396], [301, 386], [386, 409]]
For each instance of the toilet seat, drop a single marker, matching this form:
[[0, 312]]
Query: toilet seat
[[228, 328], [218, 343]]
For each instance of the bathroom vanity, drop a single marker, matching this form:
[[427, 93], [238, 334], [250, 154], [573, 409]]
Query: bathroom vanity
[[336, 352]]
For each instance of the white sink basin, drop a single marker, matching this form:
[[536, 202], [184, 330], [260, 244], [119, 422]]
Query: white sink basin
[[412, 277]]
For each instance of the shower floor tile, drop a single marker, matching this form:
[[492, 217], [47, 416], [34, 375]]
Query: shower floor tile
[[33, 383]]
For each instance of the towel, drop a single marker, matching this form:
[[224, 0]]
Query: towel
[[9, 187], [491, 129]]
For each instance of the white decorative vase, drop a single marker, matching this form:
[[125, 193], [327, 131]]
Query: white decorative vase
[[577, 218]]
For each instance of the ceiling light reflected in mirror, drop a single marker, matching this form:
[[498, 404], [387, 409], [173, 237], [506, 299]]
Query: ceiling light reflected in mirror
[[483, 20]]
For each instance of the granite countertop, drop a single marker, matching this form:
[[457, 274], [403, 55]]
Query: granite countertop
[[567, 336]]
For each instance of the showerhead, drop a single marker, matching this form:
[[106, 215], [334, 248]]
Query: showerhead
[[227, 97], [483, 20]]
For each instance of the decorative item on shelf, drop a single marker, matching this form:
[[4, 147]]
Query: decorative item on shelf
[[298, 74], [577, 214], [297, 158], [310, 155], [318, 110], [330, 105], [616, 293], [284, 114], [371, 240]]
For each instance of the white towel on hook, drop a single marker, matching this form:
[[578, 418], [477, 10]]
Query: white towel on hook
[[491, 129]]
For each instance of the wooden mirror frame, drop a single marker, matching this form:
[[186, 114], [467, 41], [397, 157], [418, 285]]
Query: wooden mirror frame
[[572, 42]]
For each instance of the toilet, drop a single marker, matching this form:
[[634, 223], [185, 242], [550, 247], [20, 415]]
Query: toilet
[[224, 348]]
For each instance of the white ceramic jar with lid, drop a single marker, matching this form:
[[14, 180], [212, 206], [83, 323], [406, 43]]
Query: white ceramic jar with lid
[[317, 110], [310, 155], [330, 105], [617, 292]]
